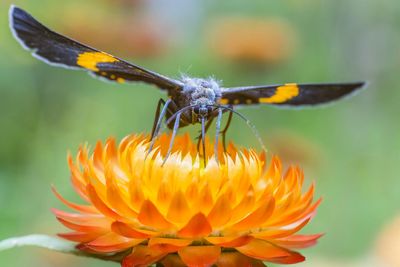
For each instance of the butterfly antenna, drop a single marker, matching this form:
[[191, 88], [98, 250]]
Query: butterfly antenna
[[176, 113], [217, 133], [248, 122]]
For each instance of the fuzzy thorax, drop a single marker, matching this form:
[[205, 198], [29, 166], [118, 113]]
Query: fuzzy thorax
[[201, 92]]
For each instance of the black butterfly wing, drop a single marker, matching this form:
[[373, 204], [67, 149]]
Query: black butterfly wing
[[290, 94], [59, 50]]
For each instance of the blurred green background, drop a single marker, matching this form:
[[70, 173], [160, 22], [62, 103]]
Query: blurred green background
[[351, 149]]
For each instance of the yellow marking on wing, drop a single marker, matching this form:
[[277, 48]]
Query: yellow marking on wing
[[224, 101], [236, 101], [120, 80], [283, 93], [249, 101], [89, 60]]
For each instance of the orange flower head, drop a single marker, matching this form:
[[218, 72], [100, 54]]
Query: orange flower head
[[252, 40], [235, 212]]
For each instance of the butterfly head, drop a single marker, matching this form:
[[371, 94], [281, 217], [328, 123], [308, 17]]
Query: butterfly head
[[203, 94]]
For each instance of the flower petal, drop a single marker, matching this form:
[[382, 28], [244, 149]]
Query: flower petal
[[168, 245], [179, 211], [94, 220], [82, 228], [150, 216], [77, 179], [205, 199], [112, 243], [100, 205], [114, 195], [280, 232], [80, 237], [142, 256], [198, 226], [131, 231], [235, 259], [229, 241], [294, 257], [199, 256], [221, 212], [298, 241], [258, 217], [172, 260], [77, 207], [262, 250]]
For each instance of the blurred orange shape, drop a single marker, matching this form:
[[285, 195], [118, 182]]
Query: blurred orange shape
[[252, 40]]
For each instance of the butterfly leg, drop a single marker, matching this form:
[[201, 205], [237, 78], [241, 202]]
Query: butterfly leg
[[160, 117], [203, 139], [217, 132], [223, 132], [208, 125], [174, 131], [160, 114], [161, 102]]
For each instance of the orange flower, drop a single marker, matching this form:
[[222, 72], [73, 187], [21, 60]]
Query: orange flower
[[238, 212], [252, 40]]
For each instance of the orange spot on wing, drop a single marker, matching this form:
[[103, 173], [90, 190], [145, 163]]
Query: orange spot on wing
[[224, 101], [283, 93], [89, 60]]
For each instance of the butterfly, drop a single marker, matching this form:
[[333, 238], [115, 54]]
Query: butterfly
[[190, 100]]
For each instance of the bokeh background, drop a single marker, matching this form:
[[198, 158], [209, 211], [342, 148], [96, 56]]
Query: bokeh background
[[351, 149]]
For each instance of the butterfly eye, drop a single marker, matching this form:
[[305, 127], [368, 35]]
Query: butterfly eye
[[205, 84]]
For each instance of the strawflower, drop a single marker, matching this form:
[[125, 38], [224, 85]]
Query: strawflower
[[239, 211]]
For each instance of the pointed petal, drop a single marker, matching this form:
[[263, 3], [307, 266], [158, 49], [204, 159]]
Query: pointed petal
[[258, 217], [142, 256], [280, 232], [168, 245], [80, 237], [221, 212], [112, 242], [114, 197], [82, 228], [298, 241], [97, 220], [244, 207], [126, 230], [77, 207], [76, 176], [198, 226], [235, 259], [262, 250], [230, 241], [172, 260], [100, 205], [294, 257], [205, 199], [199, 256], [179, 211], [150, 216]]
